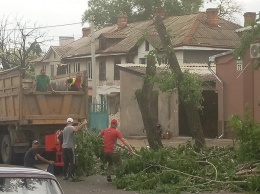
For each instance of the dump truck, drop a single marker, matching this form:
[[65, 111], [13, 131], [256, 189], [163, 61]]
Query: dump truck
[[27, 115]]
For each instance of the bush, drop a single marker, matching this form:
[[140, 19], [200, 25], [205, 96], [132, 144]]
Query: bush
[[248, 135]]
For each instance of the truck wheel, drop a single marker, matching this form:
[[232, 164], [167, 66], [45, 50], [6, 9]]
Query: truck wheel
[[6, 150]]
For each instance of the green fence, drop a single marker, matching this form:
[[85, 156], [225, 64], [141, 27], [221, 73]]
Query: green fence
[[98, 116]]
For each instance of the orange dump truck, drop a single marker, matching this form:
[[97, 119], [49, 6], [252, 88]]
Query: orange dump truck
[[25, 116]]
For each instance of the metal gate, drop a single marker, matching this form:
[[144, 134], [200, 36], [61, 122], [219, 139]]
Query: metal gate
[[98, 116]]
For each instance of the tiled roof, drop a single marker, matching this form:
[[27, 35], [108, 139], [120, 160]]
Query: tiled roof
[[61, 50], [83, 45], [200, 69], [187, 30]]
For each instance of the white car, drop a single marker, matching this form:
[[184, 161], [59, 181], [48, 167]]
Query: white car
[[27, 181]]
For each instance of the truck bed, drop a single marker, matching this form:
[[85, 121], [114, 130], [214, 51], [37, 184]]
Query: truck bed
[[18, 105]]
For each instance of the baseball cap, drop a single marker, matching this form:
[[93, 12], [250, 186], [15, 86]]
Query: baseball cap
[[69, 120], [35, 142], [114, 121]]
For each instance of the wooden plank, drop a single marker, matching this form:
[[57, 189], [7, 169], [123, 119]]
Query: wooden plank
[[10, 106], [66, 105], [82, 106], [51, 117], [3, 107], [9, 119], [42, 103], [9, 94]]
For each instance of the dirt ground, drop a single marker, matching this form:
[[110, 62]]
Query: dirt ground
[[139, 142]]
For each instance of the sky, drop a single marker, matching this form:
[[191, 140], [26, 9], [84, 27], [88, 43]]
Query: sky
[[62, 12]]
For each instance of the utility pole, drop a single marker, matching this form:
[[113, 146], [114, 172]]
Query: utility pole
[[93, 60]]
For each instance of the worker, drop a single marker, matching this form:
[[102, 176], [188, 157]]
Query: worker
[[41, 82], [75, 84], [31, 154], [110, 136], [68, 147]]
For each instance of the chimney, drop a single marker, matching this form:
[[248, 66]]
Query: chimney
[[212, 17], [86, 31], [121, 21], [64, 40], [249, 18], [159, 12]]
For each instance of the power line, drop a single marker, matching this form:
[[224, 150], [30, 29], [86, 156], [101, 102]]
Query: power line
[[42, 27]]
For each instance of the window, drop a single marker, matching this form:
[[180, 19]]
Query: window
[[239, 64], [52, 70], [147, 46], [68, 68], [76, 67], [102, 71], [89, 70], [116, 69], [61, 69], [142, 60]]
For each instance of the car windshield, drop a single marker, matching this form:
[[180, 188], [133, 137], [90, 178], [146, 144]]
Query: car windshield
[[29, 186]]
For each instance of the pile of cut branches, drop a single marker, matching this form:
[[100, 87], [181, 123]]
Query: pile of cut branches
[[171, 170]]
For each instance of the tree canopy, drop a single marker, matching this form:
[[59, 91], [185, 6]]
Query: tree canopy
[[18, 43], [106, 12]]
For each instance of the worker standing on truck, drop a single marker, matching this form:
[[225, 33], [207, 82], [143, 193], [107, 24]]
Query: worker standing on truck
[[68, 147], [75, 84], [41, 82], [31, 154], [110, 136]]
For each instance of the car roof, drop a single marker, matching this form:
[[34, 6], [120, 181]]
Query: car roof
[[20, 172]]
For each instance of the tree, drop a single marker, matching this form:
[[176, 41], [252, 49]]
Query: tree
[[144, 97], [107, 11], [20, 44], [189, 105], [228, 9]]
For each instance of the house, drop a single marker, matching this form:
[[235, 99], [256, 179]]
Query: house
[[195, 37], [238, 85]]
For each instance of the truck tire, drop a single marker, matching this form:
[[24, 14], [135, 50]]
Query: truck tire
[[7, 150]]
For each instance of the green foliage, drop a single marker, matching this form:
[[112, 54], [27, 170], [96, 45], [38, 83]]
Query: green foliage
[[249, 36], [171, 170], [106, 11], [248, 136], [88, 152], [190, 89]]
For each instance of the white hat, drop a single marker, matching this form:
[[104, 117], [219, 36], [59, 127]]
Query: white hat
[[69, 120]]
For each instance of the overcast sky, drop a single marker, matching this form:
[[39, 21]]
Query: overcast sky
[[59, 12]]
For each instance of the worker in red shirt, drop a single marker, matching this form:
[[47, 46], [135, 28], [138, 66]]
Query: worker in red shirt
[[110, 136]]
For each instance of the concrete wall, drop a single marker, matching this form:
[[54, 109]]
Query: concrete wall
[[131, 123], [168, 111]]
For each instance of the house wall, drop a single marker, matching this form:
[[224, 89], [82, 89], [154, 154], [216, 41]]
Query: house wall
[[199, 56], [142, 53], [239, 88], [257, 95]]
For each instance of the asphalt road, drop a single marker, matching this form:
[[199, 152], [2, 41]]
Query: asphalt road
[[92, 184]]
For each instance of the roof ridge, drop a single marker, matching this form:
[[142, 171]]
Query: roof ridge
[[193, 28]]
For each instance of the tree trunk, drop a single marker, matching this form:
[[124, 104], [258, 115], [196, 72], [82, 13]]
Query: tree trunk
[[144, 97], [191, 110]]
